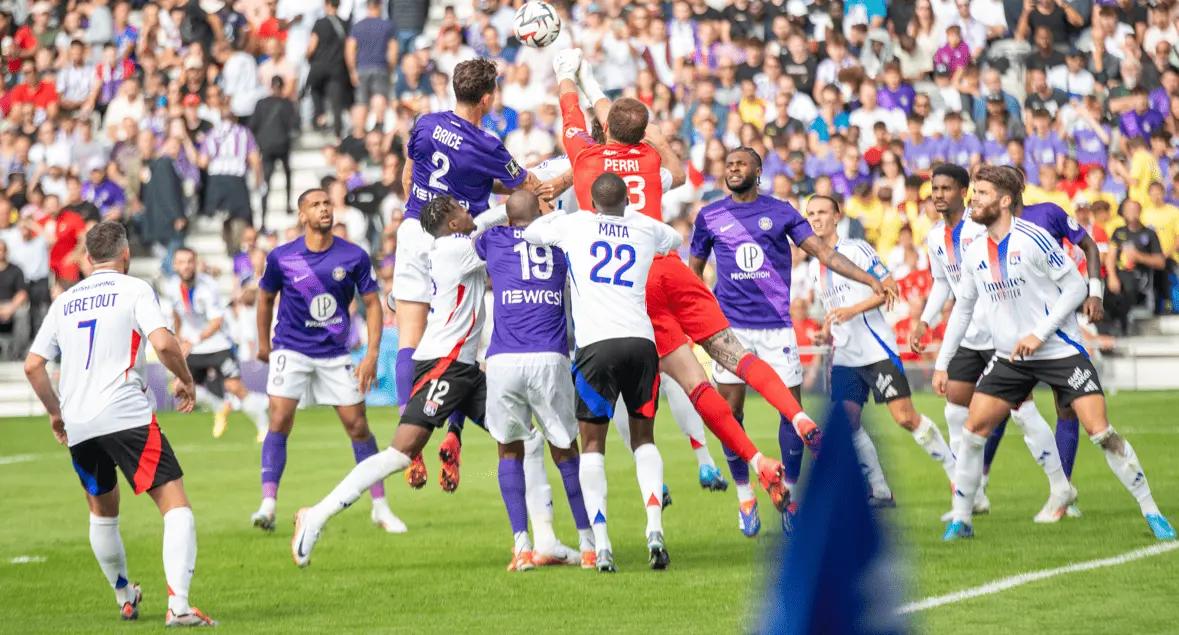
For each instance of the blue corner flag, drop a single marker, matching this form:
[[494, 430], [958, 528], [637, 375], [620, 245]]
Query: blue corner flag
[[836, 575]]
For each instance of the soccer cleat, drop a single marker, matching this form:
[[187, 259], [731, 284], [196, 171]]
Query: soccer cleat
[[521, 561], [589, 560], [448, 453], [957, 529], [788, 519], [221, 419], [262, 520], [982, 504], [770, 474], [876, 502], [605, 561], [1161, 528], [666, 497], [1073, 511], [748, 520], [416, 475], [384, 518], [303, 540], [711, 479], [1056, 506], [659, 558], [560, 555], [809, 432], [193, 617], [130, 610]]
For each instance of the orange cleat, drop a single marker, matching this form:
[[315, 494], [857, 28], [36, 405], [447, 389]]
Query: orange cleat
[[770, 473], [521, 561], [589, 560], [416, 475], [448, 453], [809, 432]]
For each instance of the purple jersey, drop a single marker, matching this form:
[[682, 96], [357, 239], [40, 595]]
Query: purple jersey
[[960, 151], [454, 157], [995, 153], [316, 289], [105, 195], [1090, 147], [899, 99], [920, 157], [752, 253], [1140, 124], [1041, 151], [528, 282], [1055, 221]]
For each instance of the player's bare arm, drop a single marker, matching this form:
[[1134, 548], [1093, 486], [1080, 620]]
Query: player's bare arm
[[38, 375], [366, 370], [697, 266], [841, 265], [1093, 307], [265, 317], [845, 313], [670, 160], [168, 349]]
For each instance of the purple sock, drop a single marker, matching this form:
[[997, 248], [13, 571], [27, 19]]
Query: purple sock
[[791, 445], [511, 487], [274, 461], [1067, 433], [572, 483], [403, 374], [993, 446], [737, 467], [362, 450], [455, 423]]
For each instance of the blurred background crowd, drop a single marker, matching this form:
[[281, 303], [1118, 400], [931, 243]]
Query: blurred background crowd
[[170, 113]]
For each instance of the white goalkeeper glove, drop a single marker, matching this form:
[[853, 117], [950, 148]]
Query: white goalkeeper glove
[[566, 64]]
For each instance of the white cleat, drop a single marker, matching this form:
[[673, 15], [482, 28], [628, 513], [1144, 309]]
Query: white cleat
[[304, 539], [263, 520], [1073, 511], [384, 518], [1057, 506], [982, 505], [558, 555]]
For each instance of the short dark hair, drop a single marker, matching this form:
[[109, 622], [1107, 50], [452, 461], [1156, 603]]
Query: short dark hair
[[277, 82], [435, 213], [106, 241], [831, 199], [954, 171], [627, 121], [473, 79], [1006, 179], [608, 192], [751, 152], [303, 197], [180, 250]]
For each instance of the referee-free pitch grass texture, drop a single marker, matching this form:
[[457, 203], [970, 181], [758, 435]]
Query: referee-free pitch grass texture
[[447, 574]]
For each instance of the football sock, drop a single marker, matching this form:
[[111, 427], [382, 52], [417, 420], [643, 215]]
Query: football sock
[[403, 375], [511, 487], [649, 469], [206, 399], [180, 552], [374, 469], [274, 461], [870, 464], [687, 419], [968, 476], [930, 439], [738, 467], [570, 477], [1120, 456], [955, 422], [107, 545], [761, 377], [592, 473], [361, 450], [537, 493], [1067, 436], [993, 445], [791, 445], [454, 424], [719, 418], [1038, 437], [257, 407]]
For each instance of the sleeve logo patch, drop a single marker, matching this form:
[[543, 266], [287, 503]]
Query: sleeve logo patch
[[513, 168]]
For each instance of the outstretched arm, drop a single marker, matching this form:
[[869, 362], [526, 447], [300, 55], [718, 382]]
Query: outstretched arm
[[841, 265]]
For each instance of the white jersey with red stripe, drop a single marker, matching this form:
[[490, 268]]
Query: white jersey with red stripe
[[99, 327], [456, 306], [197, 303], [866, 338], [947, 247]]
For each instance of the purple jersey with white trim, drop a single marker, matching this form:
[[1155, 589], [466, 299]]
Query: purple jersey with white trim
[[316, 289], [528, 282], [1055, 221], [750, 242], [454, 157]]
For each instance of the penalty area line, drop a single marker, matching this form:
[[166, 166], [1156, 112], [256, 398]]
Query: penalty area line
[[1021, 579]]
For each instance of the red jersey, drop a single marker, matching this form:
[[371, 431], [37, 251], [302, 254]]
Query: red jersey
[[41, 95], [638, 165], [67, 228]]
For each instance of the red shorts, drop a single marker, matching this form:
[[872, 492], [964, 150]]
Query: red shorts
[[681, 308]]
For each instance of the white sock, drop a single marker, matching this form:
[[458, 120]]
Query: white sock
[[968, 475], [585, 539], [180, 552], [745, 492], [649, 469], [207, 400], [592, 473], [1120, 457], [538, 494], [955, 422], [257, 407], [1041, 443], [268, 506], [930, 439], [107, 545], [521, 542], [621, 422], [375, 468], [870, 464], [686, 418]]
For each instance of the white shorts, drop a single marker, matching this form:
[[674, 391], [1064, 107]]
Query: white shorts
[[326, 381], [520, 385], [411, 268], [776, 347]]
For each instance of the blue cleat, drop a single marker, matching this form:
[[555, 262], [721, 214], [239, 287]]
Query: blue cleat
[[711, 479], [788, 515], [666, 497], [957, 529], [1161, 528], [748, 519]]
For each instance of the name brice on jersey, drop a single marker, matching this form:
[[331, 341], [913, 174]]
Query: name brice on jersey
[[454, 141]]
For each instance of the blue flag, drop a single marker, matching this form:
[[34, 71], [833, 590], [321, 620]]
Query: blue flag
[[835, 575]]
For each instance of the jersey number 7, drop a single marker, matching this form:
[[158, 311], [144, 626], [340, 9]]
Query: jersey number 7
[[605, 253], [89, 325]]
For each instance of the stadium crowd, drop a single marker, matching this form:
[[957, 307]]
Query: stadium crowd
[[153, 112]]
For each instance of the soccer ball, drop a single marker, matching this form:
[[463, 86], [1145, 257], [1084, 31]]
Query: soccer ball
[[537, 24]]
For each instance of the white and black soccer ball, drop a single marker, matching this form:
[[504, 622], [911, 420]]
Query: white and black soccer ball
[[537, 24]]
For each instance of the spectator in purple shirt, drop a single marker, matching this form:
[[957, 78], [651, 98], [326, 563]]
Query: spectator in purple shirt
[[994, 148], [895, 93], [1141, 121], [852, 173], [1043, 146], [955, 54], [104, 193], [957, 146], [1160, 98], [920, 153], [826, 163]]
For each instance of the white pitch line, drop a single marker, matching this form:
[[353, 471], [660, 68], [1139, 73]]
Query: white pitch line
[[17, 458], [1004, 584]]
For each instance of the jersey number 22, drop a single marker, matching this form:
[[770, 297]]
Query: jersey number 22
[[605, 253]]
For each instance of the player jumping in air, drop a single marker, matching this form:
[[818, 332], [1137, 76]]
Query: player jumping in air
[[105, 416], [316, 277], [198, 312], [1034, 289]]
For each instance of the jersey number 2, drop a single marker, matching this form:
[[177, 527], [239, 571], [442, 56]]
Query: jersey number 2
[[603, 251], [89, 325], [441, 168]]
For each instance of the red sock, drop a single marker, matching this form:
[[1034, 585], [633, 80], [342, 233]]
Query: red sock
[[758, 374], [719, 418]]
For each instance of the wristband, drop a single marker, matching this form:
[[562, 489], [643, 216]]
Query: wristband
[[1096, 288]]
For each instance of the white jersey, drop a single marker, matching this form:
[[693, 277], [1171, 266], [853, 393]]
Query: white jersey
[[567, 201], [98, 327], [609, 259], [947, 247], [456, 306], [197, 305], [1018, 275], [866, 338]]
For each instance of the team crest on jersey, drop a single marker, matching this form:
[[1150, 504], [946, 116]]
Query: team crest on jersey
[[338, 274], [1072, 224], [1014, 258], [765, 223], [513, 168], [430, 409]]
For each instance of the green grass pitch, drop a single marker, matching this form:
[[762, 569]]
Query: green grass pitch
[[447, 574]]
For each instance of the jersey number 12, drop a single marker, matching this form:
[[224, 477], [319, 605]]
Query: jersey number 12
[[605, 252]]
